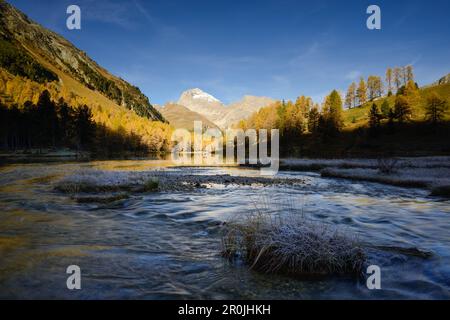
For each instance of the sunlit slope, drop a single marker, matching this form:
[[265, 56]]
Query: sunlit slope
[[33, 59], [359, 116]]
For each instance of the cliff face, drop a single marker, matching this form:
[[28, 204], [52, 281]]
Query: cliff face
[[45, 46]]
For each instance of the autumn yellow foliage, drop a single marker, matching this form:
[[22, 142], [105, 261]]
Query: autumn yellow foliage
[[156, 135]]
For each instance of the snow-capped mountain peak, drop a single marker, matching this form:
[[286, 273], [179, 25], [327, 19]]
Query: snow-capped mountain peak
[[199, 94], [211, 108]]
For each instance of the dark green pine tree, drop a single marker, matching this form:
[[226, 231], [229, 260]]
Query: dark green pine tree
[[66, 122], [435, 109], [48, 119], [385, 108], [333, 114], [84, 127], [4, 126], [374, 117], [402, 109], [313, 120]]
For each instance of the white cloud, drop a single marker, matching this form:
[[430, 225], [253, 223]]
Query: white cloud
[[108, 11], [309, 52], [353, 75]]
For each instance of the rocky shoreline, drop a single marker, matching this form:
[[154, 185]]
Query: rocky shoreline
[[98, 181]]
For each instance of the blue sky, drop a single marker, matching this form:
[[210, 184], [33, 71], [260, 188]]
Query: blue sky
[[276, 48]]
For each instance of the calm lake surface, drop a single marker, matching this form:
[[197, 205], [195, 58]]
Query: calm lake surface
[[167, 245]]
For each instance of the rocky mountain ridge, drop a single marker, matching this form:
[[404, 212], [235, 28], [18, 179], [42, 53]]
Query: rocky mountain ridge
[[31, 39], [217, 112]]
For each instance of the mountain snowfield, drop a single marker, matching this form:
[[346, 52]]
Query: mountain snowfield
[[198, 94], [217, 112], [203, 103]]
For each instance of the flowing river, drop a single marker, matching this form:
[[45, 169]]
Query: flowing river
[[166, 245]]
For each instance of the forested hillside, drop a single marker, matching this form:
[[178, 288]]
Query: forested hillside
[[381, 118], [27, 70], [22, 96]]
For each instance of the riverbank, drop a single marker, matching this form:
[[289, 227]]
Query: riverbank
[[65, 154], [40, 155], [431, 173]]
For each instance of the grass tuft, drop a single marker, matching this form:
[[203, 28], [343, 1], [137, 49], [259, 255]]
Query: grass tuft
[[291, 245]]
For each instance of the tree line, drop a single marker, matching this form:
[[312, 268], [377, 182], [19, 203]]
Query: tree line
[[50, 124], [396, 78], [305, 120], [155, 134], [300, 117]]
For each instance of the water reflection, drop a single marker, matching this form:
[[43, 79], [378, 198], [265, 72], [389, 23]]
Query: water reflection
[[166, 245]]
